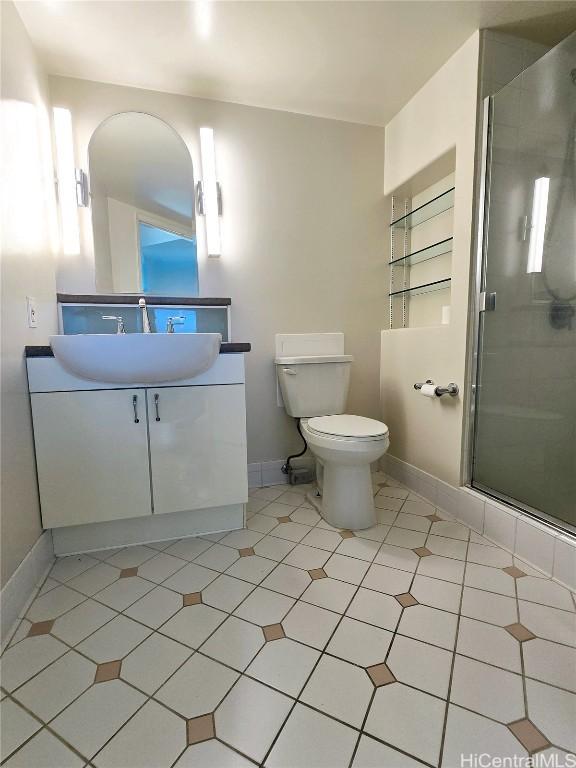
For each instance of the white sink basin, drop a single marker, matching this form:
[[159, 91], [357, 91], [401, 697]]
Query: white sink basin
[[136, 358]]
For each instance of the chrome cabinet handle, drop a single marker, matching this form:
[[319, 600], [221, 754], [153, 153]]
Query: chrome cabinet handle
[[135, 406], [157, 406]]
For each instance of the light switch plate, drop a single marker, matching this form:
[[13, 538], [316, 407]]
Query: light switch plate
[[31, 311]]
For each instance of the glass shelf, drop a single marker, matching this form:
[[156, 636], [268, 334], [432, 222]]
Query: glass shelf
[[432, 208], [424, 254], [417, 290]]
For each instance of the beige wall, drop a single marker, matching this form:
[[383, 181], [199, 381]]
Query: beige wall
[[27, 269], [441, 117], [303, 234]]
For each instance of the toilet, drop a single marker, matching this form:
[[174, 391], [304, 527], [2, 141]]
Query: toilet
[[314, 389]]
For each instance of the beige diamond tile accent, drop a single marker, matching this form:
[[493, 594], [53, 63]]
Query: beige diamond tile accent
[[422, 551], [273, 632], [346, 534], [110, 670], [528, 735], [125, 573], [192, 598], [406, 600], [200, 729], [40, 628], [318, 573], [284, 519], [520, 632], [433, 518], [516, 573], [246, 552], [380, 675]]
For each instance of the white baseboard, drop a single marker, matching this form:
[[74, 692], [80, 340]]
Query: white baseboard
[[21, 587], [534, 542], [72, 539]]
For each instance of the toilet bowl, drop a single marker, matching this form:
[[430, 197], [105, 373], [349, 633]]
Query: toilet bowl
[[344, 447], [314, 390]]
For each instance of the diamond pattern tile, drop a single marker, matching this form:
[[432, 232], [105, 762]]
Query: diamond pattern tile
[[273, 632], [199, 729], [380, 675], [192, 652], [529, 736], [520, 632], [406, 600], [109, 670], [41, 628]]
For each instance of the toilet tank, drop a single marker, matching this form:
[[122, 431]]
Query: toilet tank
[[314, 385]]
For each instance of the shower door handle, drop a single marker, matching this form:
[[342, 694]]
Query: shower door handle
[[487, 301]]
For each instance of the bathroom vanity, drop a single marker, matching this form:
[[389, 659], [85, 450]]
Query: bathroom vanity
[[131, 463]]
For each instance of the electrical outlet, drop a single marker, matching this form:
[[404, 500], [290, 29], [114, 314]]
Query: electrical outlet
[[31, 311]]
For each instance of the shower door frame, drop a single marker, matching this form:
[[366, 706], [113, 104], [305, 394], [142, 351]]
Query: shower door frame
[[478, 282]]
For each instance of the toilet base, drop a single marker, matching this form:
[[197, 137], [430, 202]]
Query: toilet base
[[347, 497]]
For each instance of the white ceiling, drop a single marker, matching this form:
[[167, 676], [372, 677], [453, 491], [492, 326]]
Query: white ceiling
[[349, 60]]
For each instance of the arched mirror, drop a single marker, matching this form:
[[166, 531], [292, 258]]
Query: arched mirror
[[142, 189]]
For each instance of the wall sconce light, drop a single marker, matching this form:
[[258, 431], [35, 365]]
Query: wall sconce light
[[209, 196], [73, 191], [66, 175], [538, 224]]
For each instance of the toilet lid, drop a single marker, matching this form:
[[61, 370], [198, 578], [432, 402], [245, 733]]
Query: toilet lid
[[344, 425]]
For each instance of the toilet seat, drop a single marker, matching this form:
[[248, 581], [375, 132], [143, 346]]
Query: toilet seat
[[348, 427]]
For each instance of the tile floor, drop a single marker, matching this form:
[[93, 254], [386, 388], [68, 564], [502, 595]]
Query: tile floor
[[292, 644]]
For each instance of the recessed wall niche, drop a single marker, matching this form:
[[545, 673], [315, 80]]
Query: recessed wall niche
[[421, 240]]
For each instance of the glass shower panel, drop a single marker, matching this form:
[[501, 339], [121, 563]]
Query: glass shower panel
[[525, 414]]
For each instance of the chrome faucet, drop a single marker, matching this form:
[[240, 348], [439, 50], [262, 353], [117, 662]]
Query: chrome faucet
[[120, 323], [145, 319], [172, 321]]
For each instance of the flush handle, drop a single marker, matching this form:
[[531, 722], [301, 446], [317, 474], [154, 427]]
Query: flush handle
[[157, 406], [289, 371], [135, 406]]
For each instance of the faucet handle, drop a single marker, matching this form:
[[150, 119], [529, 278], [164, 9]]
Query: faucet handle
[[120, 327], [172, 321]]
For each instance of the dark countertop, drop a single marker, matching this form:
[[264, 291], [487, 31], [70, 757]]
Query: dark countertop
[[133, 298], [226, 348]]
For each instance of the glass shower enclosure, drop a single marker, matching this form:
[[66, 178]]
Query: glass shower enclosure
[[524, 412]]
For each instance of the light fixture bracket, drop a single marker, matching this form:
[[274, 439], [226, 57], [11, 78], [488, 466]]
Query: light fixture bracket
[[200, 206], [200, 199], [82, 189]]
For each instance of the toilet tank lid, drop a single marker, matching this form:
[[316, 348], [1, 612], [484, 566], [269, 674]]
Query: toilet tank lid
[[306, 359]]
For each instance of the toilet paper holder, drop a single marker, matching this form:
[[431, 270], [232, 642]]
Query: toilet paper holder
[[450, 389]]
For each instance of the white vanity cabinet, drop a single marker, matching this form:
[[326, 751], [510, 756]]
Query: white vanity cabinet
[[197, 446], [108, 454], [92, 456]]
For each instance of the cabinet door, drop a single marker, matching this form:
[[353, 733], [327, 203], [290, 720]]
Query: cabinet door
[[197, 447], [92, 456]]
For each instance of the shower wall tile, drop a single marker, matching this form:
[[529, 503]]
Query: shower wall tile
[[500, 525], [538, 544], [565, 561], [535, 544]]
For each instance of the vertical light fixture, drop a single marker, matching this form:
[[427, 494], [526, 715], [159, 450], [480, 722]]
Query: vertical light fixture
[[210, 192], [203, 18], [538, 224], [66, 174]]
